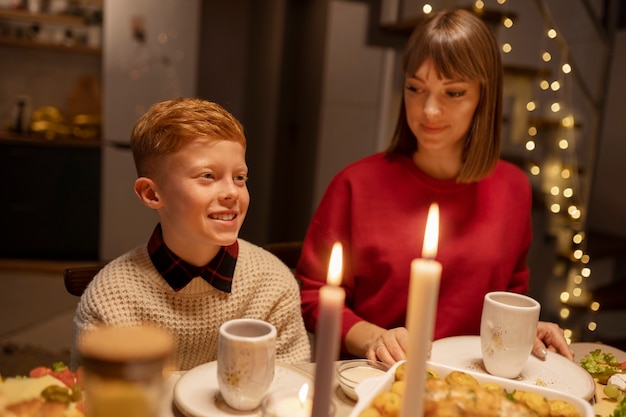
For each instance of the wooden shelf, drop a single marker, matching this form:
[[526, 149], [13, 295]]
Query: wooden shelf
[[57, 19], [38, 139], [31, 44]]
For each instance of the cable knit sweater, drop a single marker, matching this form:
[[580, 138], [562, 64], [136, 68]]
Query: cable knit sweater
[[129, 290]]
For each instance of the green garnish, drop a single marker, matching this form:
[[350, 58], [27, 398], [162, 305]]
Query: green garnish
[[598, 363], [58, 366]]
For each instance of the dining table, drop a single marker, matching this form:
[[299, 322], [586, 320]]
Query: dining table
[[601, 404]]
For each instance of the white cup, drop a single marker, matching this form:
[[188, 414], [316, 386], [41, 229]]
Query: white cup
[[246, 356], [508, 328]]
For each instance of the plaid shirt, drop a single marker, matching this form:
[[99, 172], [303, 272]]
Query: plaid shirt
[[178, 273]]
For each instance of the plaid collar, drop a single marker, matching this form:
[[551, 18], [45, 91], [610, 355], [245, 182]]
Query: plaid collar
[[178, 273]]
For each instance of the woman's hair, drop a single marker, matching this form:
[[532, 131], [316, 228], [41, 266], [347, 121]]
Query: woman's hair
[[170, 124], [462, 47]]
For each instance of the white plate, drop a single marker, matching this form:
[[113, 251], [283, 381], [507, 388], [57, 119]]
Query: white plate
[[370, 387], [556, 372], [197, 394]]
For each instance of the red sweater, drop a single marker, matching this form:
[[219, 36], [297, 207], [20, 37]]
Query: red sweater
[[377, 209]]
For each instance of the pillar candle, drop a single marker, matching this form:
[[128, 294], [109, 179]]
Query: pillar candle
[[420, 320], [327, 334]]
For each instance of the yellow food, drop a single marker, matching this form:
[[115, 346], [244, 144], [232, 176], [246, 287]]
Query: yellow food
[[398, 387], [399, 375], [459, 394], [461, 378], [387, 403], [536, 402], [559, 408]]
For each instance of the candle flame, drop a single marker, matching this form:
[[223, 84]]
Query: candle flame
[[302, 394], [431, 236], [335, 266]]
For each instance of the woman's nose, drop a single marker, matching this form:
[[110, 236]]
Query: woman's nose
[[431, 105]]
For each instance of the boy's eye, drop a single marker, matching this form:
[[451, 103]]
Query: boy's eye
[[240, 179], [208, 175]]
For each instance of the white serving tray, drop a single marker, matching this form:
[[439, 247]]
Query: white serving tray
[[370, 387]]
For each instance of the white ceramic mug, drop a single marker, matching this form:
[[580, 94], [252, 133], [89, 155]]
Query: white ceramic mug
[[508, 328], [246, 356]]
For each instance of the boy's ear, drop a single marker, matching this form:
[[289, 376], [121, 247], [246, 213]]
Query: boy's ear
[[145, 189]]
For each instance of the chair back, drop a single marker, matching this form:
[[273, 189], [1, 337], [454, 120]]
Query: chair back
[[288, 252], [77, 278]]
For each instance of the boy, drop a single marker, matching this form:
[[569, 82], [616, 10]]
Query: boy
[[194, 274]]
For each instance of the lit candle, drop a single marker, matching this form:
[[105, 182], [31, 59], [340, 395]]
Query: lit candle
[[420, 316], [294, 407], [327, 334]]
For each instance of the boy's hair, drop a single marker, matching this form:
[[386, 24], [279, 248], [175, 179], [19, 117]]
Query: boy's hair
[[170, 124], [461, 47]]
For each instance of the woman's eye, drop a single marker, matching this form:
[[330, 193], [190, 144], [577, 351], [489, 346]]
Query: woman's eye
[[456, 93], [411, 88]]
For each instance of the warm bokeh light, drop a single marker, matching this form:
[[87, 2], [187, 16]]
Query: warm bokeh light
[[568, 121]]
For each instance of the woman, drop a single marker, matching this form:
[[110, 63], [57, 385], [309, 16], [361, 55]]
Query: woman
[[445, 149]]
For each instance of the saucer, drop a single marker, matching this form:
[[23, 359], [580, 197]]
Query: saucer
[[197, 393]]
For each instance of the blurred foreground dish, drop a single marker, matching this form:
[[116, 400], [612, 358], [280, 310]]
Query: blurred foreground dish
[[124, 370]]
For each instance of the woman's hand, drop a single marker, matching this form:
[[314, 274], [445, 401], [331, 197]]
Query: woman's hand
[[550, 337], [390, 347]]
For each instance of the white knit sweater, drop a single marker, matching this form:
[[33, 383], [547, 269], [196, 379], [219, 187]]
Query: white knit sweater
[[129, 291]]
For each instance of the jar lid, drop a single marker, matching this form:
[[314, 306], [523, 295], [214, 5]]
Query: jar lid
[[144, 346]]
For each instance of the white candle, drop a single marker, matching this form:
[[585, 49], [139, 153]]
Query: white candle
[[327, 334], [294, 407], [420, 320]]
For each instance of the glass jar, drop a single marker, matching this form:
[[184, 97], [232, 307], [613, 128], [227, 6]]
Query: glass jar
[[123, 370]]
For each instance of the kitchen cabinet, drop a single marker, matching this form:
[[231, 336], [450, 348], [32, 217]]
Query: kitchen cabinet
[[50, 191], [50, 206]]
